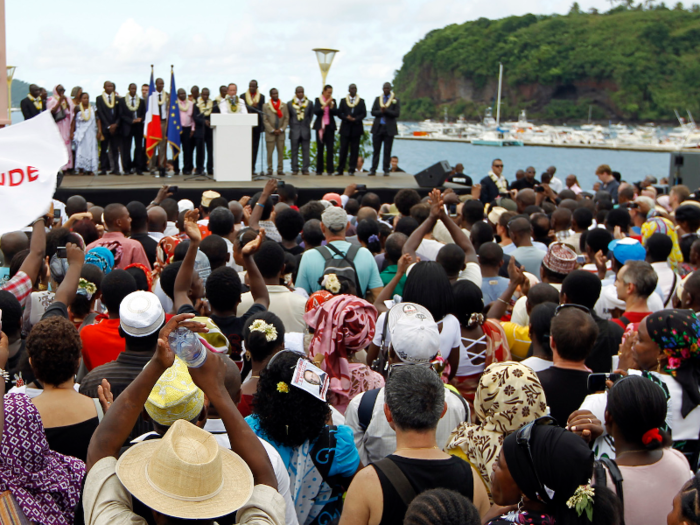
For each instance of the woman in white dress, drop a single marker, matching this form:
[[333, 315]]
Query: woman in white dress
[[84, 134]]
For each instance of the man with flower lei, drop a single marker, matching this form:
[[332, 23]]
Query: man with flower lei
[[275, 118], [188, 126], [300, 115], [31, 105], [132, 114], [385, 110], [203, 132], [351, 112], [232, 103], [254, 102], [107, 113], [325, 109]]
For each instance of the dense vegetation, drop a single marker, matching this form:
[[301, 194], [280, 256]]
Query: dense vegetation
[[19, 91], [630, 63]]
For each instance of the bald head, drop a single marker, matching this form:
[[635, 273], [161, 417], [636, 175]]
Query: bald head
[[13, 243], [157, 219], [366, 213], [237, 210], [76, 204], [525, 198]]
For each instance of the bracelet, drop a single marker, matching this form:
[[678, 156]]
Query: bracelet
[[504, 302], [260, 204], [5, 375]]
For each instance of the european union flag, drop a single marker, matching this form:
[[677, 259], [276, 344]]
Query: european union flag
[[174, 124]]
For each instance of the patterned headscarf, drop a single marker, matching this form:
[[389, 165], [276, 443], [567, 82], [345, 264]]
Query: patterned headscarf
[[164, 252], [100, 257], [342, 325], [509, 396], [661, 225], [316, 299], [149, 275], [45, 484], [677, 333]]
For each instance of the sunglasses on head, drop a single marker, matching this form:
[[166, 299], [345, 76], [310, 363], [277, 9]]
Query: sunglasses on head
[[394, 366], [522, 439], [571, 305]]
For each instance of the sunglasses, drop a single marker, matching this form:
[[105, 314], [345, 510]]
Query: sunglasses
[[571, 305], [498, 165], [522, 439], [394, 366]]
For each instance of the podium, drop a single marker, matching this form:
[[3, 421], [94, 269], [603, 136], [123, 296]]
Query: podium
[[233, 146]]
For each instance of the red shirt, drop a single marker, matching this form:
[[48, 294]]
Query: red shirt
[[633, 317], [101, 342]]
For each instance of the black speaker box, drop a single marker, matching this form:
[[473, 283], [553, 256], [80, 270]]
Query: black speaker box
[[434, 176]]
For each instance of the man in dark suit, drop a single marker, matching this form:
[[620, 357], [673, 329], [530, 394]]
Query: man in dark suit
[[132, 111], [325, 110], [385, 110], [31, 105], [300, 114], [107, 124], [352, 111], [203, 133], [254, 101]]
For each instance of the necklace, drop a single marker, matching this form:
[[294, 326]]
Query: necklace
[[109, 104], [351, 104], [300, 107], [37, 102], [254, 100], [162, 99], [388, 102], [233, 103], [184, 107], [132, 108], [86, 114], [205, 107], [324, 102], [435, 447], [255, 377]]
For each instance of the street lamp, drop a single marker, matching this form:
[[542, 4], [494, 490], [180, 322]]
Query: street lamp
[[325, 59], [10, 75]]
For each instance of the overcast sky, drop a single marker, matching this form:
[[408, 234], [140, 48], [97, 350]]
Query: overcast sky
[[214, 43]]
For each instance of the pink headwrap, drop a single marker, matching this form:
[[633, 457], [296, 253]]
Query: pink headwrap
[[342, 325]]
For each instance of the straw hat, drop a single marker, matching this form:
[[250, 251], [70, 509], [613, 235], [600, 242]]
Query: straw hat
[[186, 474]]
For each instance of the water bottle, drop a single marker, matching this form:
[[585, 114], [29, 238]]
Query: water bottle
[[187, 347]]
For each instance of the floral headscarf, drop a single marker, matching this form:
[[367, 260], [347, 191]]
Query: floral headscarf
[[661, 225], [508, 397], [677, 333], [149, 275], [45, 484], [164, 252]]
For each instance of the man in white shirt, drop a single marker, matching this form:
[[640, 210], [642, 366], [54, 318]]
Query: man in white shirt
[[659, 246], [232, 103], [415, 340], [556, 184], [288, 306]]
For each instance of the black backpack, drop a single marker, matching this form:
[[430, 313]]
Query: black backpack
[[599, 468], [345, 265]]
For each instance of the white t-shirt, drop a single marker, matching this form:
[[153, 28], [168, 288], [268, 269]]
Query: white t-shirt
[[450, 334], [472, 273], [608, 301], [428, 249], [537, 364]]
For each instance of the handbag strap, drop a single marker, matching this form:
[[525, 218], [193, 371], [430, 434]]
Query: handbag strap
[[397, 479]]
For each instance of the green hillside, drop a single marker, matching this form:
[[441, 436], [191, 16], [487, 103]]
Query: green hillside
[[19, 91], [628, 63]]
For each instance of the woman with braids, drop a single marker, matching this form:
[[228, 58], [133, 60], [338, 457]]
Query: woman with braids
[[666, 346], [686, 505], [652, 472], [441, 507], [509, 396], [482, 341], [343, 326], [544, 474], [263, 336], [321, 459]]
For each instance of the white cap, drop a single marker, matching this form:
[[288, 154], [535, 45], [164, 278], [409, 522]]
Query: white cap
[[414, 334], [141, 314], [185, 205]]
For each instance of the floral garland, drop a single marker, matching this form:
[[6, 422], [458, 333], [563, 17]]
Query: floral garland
[[205, 107], [162, 101], [110, 105], [38, 104], [132, 108], [300, 108], [186, 106], [86, 288], [86, 115], [63, 104], [324, 102], [233, 103], [389, 102], [350, 104], [252, 101], [269, 330], [331, 283]]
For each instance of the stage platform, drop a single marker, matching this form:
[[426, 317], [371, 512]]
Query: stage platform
[[104, 189]]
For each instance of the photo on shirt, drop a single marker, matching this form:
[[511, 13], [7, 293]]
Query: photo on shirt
[[310, 378]]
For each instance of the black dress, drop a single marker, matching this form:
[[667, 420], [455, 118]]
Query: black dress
[[72, 440]]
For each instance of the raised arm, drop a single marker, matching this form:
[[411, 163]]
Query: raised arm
[[37, 249], [66, 290], [258, 288], [499, 306], [120, 419], [256, 214], [388, 291], [426, 227], [459, 237], [163, 193], [183, 281]]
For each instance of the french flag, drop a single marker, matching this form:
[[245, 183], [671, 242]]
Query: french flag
[[152, 131]]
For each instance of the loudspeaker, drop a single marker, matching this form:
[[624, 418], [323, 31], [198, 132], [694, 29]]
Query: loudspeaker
[[434, 176], [685, 169]]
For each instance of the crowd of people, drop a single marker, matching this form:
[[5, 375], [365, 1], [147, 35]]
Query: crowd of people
[[116, 123], [519, 353]]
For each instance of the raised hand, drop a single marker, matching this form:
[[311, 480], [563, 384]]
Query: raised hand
[[191, 226], [254, 245], [104, 393]]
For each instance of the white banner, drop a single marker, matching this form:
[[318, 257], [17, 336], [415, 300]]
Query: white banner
[[31, 154]]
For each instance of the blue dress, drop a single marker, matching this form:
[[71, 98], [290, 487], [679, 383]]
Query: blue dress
[[315, 471]]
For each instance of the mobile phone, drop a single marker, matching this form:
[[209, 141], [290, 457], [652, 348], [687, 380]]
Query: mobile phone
[[280, 184], [361, 187], [596, 382], [61, 252], [275, 198], [56, 214], [173, 189], [452, 209]]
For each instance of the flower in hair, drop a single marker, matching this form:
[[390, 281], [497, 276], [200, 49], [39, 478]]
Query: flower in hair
[[373, 238], [283, 387], [269, 330], [582, 500], [331, 283], [86, 288]]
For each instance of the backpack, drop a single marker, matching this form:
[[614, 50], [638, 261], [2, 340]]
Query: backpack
[[344, 266], [599, 468]]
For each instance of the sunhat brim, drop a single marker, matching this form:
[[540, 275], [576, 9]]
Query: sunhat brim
[[236, 491]]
